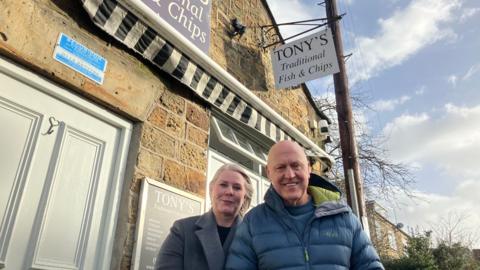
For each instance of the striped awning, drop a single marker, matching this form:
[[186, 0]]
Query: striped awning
[[112, 17]]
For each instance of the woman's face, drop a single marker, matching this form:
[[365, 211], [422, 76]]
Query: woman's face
[[228, 193]]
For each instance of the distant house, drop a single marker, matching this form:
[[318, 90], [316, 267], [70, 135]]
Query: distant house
[[388, 238]]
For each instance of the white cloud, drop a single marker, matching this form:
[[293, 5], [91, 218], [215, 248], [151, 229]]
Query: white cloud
[[389, 105], [405, 122], [468, 12], [403, 34], [452, 79], [293, 10], [471, 71], [320, 86], [347, 2], [421, 23], [421, 91], [427, 210], [450, 140]]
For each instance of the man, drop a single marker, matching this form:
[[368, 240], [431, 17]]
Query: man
[[303, 224]]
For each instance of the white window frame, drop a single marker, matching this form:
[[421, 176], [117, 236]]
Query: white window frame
[[235, 143], [391, 240], [259, 183]]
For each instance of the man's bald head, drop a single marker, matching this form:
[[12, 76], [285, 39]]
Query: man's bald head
[[285, 146], [289, 171]]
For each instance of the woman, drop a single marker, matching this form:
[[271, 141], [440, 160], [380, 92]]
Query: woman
[[202, 242]]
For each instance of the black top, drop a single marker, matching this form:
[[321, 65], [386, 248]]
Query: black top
[[223, 233]]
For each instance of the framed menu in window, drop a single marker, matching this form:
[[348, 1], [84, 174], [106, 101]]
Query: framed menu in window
[[159, 206]]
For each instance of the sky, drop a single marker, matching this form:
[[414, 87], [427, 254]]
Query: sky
[[416, 64]]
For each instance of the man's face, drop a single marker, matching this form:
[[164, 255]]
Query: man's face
[[288, 169]]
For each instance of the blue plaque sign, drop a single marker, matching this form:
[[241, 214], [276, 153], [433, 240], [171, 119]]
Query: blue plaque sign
[[79, 58]]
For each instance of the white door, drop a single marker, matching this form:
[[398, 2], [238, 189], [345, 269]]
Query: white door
[[61, 165]]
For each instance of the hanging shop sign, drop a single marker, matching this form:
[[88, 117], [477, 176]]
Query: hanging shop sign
[[191, 18], [160, 205], [304, 59], [79, 58], [135, 25]]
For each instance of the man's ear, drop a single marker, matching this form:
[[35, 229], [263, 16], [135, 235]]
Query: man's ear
[[268, 171]]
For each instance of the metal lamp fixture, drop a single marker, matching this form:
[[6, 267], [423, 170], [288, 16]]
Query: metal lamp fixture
[[238, 28]]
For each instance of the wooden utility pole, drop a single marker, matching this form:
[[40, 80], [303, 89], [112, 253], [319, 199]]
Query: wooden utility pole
[[351, 168]]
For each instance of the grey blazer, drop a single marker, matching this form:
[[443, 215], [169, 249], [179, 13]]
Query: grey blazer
[[193, 243]]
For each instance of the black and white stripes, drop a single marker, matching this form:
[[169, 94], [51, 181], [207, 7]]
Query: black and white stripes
[[122, 24]]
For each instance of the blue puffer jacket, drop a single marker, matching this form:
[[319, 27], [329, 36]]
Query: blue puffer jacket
[[333, 238]]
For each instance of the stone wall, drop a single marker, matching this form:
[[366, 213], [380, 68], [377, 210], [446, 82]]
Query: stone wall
[[29, 31], [172, 124], [250, 64], [172, 149], [380, 228]]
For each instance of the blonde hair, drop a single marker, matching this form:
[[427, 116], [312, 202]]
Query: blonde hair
[[248, 184]]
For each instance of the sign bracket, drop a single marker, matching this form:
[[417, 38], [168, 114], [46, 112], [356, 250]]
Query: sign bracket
[[267, 28]]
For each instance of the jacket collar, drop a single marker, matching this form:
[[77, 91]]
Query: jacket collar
[[207, 233]]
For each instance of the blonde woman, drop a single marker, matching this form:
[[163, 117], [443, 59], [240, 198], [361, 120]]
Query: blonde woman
[[202, 242]]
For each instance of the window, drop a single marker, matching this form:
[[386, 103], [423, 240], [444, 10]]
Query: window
[[391, 240], [239, 142], [378, 231], [405, 244], [230, 143]]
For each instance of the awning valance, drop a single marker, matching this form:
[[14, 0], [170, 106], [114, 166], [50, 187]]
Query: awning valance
[[121, 23]]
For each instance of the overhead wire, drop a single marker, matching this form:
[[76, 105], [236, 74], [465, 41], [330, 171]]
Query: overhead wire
[[357, 62]]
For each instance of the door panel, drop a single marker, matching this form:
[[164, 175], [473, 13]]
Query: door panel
[[78, 156], [17, 144], [60, 168]]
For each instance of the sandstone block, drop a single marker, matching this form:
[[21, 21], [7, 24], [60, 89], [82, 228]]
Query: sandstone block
[[150, 164], [196, 181], [197, 136], [173, 102], [132, 207], [135, 184], [174, 174], [193, 155], [158, 117], [158, 141], [175, 126], [128, 247], [198, 116]]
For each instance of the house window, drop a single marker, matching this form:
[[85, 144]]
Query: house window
[[230, 142], [391, 240], [378, 231], [228, 136], [405, 244]]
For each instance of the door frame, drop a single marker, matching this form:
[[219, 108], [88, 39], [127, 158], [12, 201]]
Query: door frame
[[15, 71]]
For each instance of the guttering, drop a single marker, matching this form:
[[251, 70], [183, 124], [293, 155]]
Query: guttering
[[204, 61]]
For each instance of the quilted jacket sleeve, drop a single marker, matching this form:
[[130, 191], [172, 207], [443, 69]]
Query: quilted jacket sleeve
[[241, 255], [364, 256], [171, 252]]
